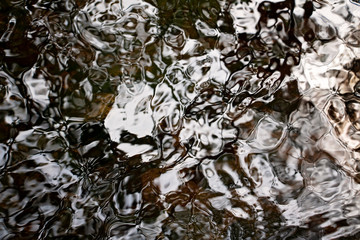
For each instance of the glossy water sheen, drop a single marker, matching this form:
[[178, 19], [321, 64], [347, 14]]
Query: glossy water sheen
[[179, 119]]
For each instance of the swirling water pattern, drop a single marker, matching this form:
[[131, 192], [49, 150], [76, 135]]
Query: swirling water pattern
[[180, 119]]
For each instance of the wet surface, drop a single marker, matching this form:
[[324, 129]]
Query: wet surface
[[179, 119]]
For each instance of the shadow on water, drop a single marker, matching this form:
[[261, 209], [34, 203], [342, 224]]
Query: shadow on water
[[153, 119]]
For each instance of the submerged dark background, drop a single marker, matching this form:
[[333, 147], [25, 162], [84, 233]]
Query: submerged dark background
[[186, 119]]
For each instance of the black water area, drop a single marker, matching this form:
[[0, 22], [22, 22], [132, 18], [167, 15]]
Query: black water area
[[179, 119]]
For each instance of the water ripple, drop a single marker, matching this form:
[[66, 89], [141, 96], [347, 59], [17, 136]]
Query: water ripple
[[154, 119]]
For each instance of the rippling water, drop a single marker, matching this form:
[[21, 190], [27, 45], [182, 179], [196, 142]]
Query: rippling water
[[179, 119]]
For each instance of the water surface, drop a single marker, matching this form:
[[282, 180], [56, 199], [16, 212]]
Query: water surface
[[181, 119]]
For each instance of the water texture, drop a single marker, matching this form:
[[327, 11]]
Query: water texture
[[179, 119]]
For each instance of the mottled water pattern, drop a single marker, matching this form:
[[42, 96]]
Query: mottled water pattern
[[179, 119]]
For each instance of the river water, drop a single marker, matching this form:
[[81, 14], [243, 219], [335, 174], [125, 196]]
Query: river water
[[179, 119]]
